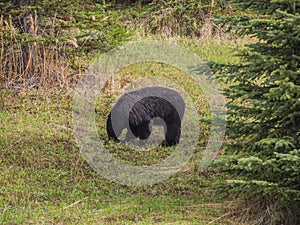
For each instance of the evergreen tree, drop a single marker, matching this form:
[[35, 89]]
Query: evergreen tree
[[263, 151]]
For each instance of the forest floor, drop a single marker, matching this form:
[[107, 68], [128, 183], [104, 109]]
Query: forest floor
[[44, 179]]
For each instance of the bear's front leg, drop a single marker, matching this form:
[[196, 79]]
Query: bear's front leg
[[172, 134], [111, 132], [144, 132]]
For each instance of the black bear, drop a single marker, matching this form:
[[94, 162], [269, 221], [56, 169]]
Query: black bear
[[138, 110]]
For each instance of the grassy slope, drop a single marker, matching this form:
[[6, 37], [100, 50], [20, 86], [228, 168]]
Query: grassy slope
[[43, 178]]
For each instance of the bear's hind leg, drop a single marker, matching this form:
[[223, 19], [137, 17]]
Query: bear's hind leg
[[130, 135], [172, 134]]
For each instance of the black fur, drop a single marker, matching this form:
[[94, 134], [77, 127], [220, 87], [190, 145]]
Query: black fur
[[142, 106]]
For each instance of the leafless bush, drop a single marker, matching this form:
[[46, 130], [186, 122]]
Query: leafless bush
[[30, 59]]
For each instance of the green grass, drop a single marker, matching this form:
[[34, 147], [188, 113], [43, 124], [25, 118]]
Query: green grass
[[45, 180]]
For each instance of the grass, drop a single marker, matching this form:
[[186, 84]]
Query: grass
[[45, 180]]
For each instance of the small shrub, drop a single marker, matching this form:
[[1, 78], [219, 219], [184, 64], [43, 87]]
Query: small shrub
[[48, 44]]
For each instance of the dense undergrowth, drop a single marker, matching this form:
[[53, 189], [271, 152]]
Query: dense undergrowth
[[48, 45]]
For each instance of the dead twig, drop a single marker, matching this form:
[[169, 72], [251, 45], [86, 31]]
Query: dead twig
[[226, 214], [75, 203]]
